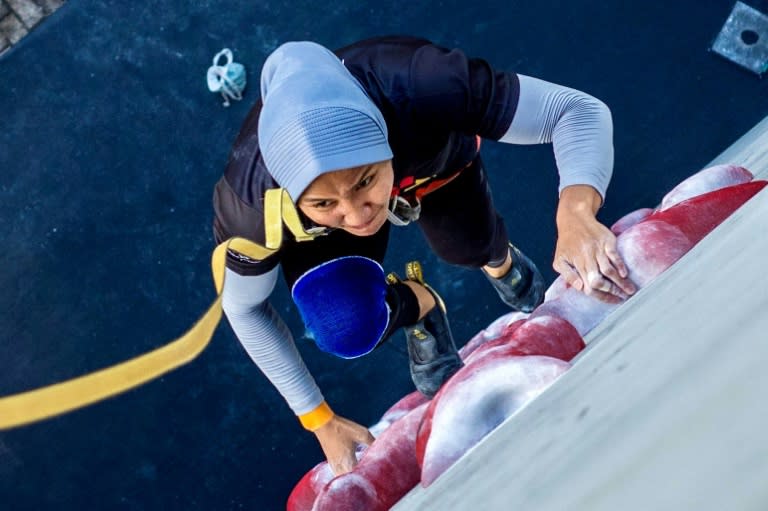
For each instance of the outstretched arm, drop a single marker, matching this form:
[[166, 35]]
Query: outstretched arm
[[580, 129], [269, 343]]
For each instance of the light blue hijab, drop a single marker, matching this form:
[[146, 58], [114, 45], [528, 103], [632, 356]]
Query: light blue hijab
[[316, 117]]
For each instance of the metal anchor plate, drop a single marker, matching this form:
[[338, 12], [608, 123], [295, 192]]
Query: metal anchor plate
[[744, 38]]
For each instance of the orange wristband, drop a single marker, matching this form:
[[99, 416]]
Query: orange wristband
[[317, 418]]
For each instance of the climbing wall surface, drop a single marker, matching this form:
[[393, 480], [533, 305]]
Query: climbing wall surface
[[664, 410]]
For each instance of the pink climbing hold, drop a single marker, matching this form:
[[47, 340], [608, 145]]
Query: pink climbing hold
[[499, 378], [705, 181], [386, 472]]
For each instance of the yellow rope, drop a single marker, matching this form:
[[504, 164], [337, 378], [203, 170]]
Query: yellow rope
[[35, 405]]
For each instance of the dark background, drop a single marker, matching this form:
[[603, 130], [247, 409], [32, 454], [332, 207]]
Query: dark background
[[110, 144]]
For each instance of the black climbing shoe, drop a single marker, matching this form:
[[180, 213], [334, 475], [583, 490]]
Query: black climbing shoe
[[522, 288], [432, 354]]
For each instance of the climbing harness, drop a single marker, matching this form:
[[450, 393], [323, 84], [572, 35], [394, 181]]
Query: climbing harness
[[405, 199], [228, 79], [46, 402]]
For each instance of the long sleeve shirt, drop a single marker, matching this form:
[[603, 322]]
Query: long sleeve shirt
[[435, 102]]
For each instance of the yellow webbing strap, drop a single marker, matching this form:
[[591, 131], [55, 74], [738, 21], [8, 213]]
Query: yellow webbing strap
[[35, 405]]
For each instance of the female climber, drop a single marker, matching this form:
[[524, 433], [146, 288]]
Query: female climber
[[387, 131]]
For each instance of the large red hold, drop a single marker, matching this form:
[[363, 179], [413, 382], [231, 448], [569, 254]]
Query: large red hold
[[386, 472], [697, 216], [651, 247], [499, 378], [304, 494], [705, 181]]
